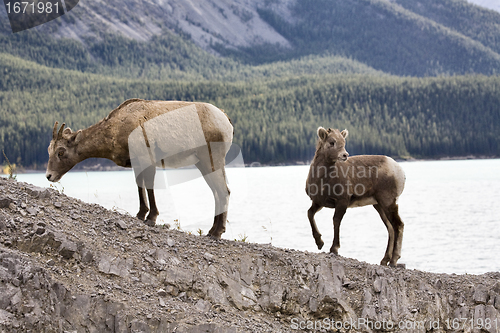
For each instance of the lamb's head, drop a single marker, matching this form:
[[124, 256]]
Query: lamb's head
[[331, 144], [62, 152]]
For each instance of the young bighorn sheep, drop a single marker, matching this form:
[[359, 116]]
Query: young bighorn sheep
[[145, 134], [336, 181]]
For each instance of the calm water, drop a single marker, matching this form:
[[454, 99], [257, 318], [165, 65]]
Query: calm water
[[450, 209]]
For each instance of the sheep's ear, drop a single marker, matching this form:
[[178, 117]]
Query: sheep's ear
[[322, 133], [344, 133], [78, 136]]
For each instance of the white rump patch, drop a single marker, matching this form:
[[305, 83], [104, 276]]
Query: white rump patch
[[397, 171], [222, 122]]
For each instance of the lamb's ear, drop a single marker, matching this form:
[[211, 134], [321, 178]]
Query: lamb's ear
[[322, 133], [344, 133]]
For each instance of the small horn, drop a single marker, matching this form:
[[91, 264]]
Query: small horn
[[54, 131], [59, 135]]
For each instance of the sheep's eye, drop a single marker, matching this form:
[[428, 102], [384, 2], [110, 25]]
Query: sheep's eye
[[60, 153], [332, 143]]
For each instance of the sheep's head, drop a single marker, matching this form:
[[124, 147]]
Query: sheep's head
[[62, 152], [331, 143]]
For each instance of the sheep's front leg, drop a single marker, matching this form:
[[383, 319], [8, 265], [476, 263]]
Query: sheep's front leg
[[145, 181], [143, 206], [337, 218], [153, 213], [310, 215]]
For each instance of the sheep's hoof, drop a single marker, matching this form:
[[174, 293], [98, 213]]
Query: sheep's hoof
[[150, 223], [334, 250], [213, 234], [320, 244]]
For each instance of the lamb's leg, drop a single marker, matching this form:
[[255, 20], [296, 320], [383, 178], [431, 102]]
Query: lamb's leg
[[337, 218], [390, 244], [398, 226], [310, 214]]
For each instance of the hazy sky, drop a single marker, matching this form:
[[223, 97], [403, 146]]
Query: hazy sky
[[492, 4]]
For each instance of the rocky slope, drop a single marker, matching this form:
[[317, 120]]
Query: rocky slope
[[68, 266], [228, 22]]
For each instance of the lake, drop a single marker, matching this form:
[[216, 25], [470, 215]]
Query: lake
[[450, 210]]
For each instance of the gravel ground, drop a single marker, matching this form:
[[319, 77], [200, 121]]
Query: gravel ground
[[68, 266]]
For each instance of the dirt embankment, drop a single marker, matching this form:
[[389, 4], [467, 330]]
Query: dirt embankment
[[68, 266]]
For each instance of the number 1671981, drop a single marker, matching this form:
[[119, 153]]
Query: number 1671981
[[29, 7]]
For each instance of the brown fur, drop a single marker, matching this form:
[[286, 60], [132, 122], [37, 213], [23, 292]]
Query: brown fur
[[109, 139], [338, 182]]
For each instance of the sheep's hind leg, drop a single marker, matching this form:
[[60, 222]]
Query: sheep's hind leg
[[398, 227], [337, 218], [390, 243], [216, 179]]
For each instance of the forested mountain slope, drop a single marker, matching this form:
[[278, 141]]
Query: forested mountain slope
[[275, 120]]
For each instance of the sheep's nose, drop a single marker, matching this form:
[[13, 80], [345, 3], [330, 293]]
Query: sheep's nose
[[344, 156], [48, 176]]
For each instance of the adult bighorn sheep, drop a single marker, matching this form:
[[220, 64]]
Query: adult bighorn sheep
[[144, 134], [336, 181]]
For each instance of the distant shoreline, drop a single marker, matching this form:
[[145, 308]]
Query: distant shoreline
[[99, 167]]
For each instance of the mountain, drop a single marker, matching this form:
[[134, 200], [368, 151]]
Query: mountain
[[399, 37], [415, 38]]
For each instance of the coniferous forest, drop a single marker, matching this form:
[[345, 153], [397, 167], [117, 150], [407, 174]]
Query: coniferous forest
[[275, 98]]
